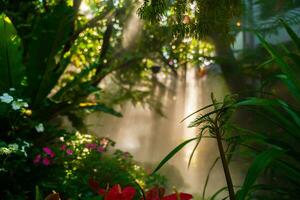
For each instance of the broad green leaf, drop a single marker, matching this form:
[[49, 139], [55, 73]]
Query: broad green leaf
[[172, 153], [260, 163], [11, 68], [50, 33]]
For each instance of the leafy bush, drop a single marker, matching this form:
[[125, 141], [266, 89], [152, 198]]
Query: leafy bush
[[67, 165]]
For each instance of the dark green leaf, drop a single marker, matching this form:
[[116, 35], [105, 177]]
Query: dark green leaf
[[260, 163], [291, 33], [49, 35], [292, 72], [11, 68]]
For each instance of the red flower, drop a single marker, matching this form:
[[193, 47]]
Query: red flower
[[116, 193], [158, 194], [180, 196]]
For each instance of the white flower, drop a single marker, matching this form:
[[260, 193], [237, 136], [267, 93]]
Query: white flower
[[39, 128], [13, 147], [6, 98], [26, 144], [3, 170], [23, 150], [17, 105]]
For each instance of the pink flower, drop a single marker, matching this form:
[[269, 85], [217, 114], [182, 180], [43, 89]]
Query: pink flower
[[46, 161], [63, 147], [69, 151], [100, 149], [48, 151], [37, 159], [91, 146]]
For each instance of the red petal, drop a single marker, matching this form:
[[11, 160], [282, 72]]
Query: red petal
[[114, 193], [171, 197], [182, 196], [185, 196], [128, 193]]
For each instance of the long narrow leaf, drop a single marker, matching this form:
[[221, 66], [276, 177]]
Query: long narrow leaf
[[172, 153], [291, 33], [197, 144], [291, 71], [259, 164], [205, 107]]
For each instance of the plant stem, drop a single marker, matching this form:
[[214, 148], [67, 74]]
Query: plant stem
[[225, 165]]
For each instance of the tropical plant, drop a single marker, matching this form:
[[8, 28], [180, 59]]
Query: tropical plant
[[273, 149], [48, 69]]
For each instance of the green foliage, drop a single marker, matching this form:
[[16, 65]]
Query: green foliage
[[76, 159], [206, 18], [11, 67], [285, 116], [49, 34], [66, 55], [274, 149], [259, 164]]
